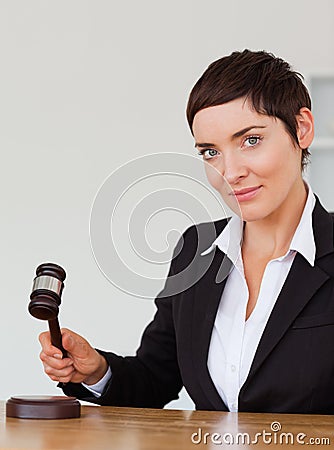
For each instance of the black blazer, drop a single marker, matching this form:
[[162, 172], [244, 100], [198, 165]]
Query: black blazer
[[293, 368]]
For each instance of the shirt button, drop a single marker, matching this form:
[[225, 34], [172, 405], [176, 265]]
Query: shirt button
[[233, 368]]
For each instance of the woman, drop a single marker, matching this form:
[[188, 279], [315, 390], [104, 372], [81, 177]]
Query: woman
[[256, 331]]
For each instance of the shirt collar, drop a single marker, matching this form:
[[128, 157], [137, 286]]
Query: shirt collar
[[303, 240], [229, 240]]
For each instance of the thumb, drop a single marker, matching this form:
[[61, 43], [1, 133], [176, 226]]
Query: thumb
[[75, 344]]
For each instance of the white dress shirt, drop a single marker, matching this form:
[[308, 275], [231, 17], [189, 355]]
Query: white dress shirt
[[234, 341]]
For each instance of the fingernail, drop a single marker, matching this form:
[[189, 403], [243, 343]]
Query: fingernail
[[58, 356]]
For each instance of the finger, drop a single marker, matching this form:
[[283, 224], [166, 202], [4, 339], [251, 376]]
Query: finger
[[56, 363], [47, 347], [51, 372], [62, 379]]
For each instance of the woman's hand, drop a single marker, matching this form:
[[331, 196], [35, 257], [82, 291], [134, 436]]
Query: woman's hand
[[83, 363]]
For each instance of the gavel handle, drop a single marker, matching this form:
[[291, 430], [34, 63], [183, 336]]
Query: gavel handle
[[56, 335]]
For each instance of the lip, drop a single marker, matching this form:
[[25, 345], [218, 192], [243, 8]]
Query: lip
[[246, 193]]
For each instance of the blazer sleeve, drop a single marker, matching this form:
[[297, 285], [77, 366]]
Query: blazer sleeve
[[152, 377]]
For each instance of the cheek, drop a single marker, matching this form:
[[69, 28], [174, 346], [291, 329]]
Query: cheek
[[280, 159], [214, 177], [217, 180], [219, 183], [269, 165]]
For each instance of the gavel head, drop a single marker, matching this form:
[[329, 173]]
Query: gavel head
[[46, 292]]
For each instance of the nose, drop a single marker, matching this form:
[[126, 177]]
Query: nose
[[232, 167]]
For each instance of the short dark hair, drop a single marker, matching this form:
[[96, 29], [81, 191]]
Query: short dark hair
[[270, 84]]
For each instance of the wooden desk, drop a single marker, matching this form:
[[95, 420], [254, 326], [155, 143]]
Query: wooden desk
[[152, 429]]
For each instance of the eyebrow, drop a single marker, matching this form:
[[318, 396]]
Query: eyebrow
[[245, 130], [235, 135]]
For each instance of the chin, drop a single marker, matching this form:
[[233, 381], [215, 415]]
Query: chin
[[251, 213]]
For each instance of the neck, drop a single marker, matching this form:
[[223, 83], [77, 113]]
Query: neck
[[272, 235]]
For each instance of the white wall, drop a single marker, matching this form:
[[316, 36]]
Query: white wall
[[86, 86]]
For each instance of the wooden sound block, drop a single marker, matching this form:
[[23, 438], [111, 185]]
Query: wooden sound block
[[43, 407]]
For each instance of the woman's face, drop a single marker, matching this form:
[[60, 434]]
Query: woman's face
[[250, 159]]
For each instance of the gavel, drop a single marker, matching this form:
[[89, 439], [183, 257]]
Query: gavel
[[45, 299], [44, 304]]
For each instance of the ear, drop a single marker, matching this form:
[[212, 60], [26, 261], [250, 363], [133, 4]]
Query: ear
[[305, 127]]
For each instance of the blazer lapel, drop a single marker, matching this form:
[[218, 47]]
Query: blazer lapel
[[207, 296], [301, 284]]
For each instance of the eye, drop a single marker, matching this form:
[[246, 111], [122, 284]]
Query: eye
[[208, 153], [251, 141]]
